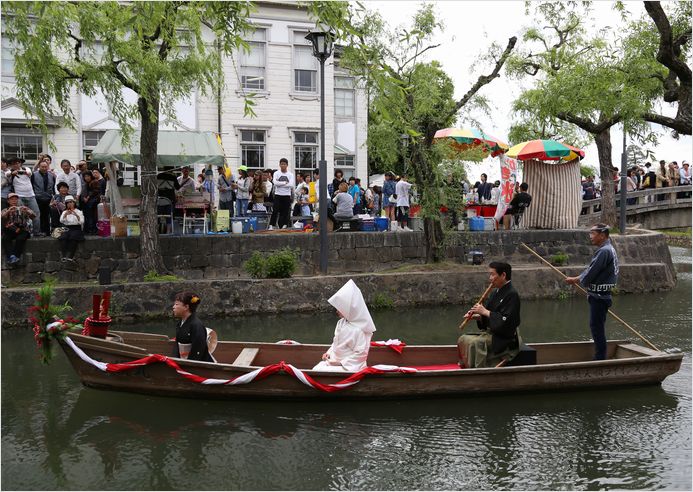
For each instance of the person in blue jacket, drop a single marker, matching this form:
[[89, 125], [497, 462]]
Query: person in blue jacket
[[598, 279]]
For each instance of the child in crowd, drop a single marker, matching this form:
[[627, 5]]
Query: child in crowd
[[303, 201]]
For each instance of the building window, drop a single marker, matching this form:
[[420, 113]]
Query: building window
[[253, 61], [7, 57], [305, 64], [253, 149], [305, 151], [346, 164], [90, 140], [23, 142], [343, 96]]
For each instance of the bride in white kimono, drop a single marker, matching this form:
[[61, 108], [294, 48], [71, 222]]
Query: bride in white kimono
[[352, 336]]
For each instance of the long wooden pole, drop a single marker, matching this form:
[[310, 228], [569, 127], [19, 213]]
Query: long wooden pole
[[481, 299], [585, 292]]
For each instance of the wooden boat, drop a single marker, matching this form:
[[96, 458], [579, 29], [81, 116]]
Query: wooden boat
[[559, 366]]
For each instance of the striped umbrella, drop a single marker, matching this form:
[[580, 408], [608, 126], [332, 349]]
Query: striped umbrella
[[545, 150], [470, 137]]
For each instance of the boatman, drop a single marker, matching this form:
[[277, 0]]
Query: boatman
[[498, 319], [598, 279]]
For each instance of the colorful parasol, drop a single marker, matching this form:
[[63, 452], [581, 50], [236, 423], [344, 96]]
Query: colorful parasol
[[545, 150], [470, 137]]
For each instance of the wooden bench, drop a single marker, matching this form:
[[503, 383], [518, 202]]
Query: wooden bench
[[246, 357]]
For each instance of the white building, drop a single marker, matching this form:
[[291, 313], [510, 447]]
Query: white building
[[279, 69]]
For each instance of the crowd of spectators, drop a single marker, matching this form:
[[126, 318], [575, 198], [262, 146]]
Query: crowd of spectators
[[41, 202], [649, 176], [286, 196]]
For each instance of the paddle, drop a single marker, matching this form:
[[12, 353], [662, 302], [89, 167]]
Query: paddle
[[585, 292], [481, 299]]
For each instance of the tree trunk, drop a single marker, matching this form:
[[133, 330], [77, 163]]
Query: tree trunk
[[150, 253], [606, 174], [433, 233], [425, 183]]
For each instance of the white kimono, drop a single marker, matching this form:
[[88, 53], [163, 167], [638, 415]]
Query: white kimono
[[352, 336]]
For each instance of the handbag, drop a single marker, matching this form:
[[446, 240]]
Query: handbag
[[58, 231]]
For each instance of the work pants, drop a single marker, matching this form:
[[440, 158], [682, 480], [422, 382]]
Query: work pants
[[13, 242], [45, 215], [598, 310], [281, 211]]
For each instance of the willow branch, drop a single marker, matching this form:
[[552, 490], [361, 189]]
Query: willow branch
[[486, 79]]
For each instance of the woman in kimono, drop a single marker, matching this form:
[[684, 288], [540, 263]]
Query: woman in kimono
[[352, 336], [191, 334]]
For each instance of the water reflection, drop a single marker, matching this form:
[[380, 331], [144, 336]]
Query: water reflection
[[59, 435]]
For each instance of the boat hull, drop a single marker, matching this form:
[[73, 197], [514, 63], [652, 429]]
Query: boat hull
[[630, 365]]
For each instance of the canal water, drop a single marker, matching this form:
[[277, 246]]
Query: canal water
[[57, 435]]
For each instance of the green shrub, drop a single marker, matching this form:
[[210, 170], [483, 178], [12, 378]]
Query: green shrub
[[382, 301], [255, 266], [152, 276], [282, 264], [559, 259]]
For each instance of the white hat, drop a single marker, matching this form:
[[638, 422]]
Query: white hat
[[349, 301], [685, 163], [69, 198]]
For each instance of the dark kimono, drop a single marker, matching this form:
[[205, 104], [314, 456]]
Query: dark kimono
[[193, 332], [498, 339]]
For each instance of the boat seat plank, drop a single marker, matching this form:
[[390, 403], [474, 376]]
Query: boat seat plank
[[246, 357]]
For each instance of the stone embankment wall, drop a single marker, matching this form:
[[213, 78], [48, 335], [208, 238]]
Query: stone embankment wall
[[644, 258], [222, 257]]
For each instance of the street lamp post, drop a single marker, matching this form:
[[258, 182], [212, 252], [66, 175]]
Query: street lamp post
[[322, 49], [624, 187]]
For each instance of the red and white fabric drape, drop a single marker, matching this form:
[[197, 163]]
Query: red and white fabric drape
[[246, 378]]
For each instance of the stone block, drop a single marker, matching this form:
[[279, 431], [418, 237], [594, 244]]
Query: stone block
[[34, 267], [363, 255], [365, 240], [347, 254], [199, 260], [91, 265], [52, 266]]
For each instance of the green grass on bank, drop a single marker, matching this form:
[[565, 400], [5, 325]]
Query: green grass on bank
[[678, 233]]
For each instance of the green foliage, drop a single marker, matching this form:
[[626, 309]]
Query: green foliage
[[607, 78], [43, 315], [563, 295], [637, 155], [153, 276], [586, 171], [414, 98], [281, 264], [382, 300], [156, 49], [559, 259], [255, 266]]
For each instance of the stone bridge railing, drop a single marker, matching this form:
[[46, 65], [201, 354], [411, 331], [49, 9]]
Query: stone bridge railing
[[645, 202]]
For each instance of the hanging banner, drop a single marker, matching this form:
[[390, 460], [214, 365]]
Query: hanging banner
[[509, 170]]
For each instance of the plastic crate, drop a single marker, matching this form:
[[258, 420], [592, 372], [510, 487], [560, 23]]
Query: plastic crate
[[368, 226]]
